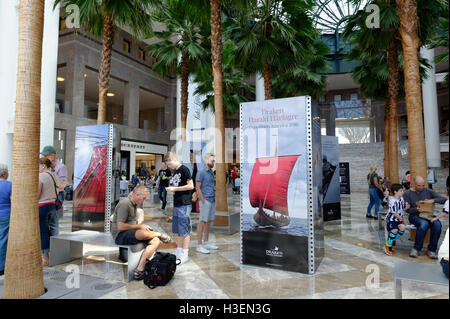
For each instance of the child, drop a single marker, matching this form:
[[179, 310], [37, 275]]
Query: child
[[182, 204], [395, 219]]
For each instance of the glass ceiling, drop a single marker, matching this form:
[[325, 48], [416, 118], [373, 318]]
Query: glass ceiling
[[331, 14]]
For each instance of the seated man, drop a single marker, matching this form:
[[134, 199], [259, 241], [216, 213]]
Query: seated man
[[127, 228], [420, 193]]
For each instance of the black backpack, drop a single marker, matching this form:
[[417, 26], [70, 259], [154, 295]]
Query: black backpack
[[160, 269]]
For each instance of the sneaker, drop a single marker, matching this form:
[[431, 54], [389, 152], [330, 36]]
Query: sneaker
[[183, 259], [210, 246], [202, 249], [431, 254], [369, 216], [414, 253], [388, 250]]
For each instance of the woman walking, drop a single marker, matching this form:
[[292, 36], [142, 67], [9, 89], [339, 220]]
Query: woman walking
[[374, 186], [5, 212], [48, 183]]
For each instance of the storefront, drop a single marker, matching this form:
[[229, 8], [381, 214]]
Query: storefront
[[136, 155]]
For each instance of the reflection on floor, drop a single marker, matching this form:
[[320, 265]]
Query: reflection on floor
[[351, 245]]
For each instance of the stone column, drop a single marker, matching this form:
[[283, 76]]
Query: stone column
[[9, 33], [75, 87], [430, 111], [259, 87], [131, 105], [48, 72]]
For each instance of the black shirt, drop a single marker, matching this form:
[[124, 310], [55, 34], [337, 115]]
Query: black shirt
[[166, 173], [180, 178]]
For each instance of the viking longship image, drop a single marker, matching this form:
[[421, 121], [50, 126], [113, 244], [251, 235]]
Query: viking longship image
[[270, 191], [91, 153]]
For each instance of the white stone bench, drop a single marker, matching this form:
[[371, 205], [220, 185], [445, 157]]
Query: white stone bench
[[67, 247], [413, 271]]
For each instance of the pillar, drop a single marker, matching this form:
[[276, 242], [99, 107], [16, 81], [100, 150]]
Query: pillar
[[48, 72], [430, 111], [259, 87], [131, 105], [9, 33], [75, 87]]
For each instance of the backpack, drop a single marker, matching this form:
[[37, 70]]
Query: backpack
[[160, 269]]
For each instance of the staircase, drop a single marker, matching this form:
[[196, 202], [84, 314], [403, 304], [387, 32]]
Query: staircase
[[362, 156]]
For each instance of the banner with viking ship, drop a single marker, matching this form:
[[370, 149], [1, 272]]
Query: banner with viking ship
[[92, 166], [331, 188], [279, 196]]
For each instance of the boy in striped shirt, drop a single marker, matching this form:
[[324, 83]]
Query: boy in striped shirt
[[395, 219]]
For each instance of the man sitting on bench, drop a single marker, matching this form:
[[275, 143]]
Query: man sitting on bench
[[412, 196], [126, 230]]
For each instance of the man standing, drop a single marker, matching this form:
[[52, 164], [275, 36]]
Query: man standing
[[126, 229], [412, 196], [206, 190], [182, 204], [61, 171], [164, 175]]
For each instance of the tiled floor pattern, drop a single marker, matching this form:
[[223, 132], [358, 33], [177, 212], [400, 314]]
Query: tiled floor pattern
[[353, 246]]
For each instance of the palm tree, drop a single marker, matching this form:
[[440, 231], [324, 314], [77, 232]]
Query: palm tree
[[99, 17], [411, 41], [440, 39], [23, 269], [381, 71], [275, 37], [235, 89], [183, 37]]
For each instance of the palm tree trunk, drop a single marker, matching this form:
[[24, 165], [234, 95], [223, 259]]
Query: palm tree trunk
[[267, 82], [23, 269], [387, 166], [216, 49], [407, 12], [105, 68], [393, 108], [184, 94]]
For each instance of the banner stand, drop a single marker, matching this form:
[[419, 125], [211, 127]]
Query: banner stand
[[281, 177]]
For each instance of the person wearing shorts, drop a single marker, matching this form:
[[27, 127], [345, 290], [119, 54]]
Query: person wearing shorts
[[206, 190], [395, 219], [182, 204], [126, 229]]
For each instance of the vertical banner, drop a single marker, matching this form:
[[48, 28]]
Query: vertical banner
[[330, 184], [344, 175], [276, 197], [92, 167]]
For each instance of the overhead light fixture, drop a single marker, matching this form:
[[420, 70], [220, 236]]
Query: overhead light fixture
[[85, 75], [110, 94], [60, 79]]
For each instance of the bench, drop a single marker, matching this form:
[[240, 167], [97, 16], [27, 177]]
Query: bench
[[412, 271], [67, 247]]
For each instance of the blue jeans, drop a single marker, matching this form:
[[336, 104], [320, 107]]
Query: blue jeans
[[444, 264], [422, 226], [44, 212], [162, 194], [374, 200], [4, 230], [54, 217]]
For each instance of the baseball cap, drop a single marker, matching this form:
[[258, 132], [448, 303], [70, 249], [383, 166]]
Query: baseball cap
[[48, 150]]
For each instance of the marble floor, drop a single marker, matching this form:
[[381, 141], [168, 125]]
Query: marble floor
[[353, 248]]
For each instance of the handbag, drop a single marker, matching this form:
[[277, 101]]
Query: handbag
[[160, 269], [58, 203]]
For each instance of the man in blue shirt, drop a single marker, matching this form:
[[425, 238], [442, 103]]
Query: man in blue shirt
[[206, 190]]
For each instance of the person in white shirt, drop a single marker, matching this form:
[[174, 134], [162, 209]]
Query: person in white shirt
[[443, 250]]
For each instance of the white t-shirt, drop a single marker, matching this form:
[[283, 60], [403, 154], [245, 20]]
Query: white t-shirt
[[446, 207], [443, 250]]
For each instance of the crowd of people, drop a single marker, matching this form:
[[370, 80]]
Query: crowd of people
[[52, 181], [404, 208]]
